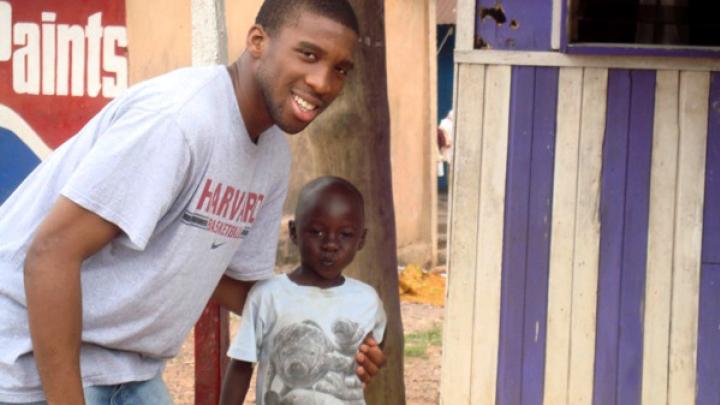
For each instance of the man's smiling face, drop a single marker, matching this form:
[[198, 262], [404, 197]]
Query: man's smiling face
[[303, 68]]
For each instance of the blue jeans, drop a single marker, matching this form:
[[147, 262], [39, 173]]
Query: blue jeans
[[151, 392]]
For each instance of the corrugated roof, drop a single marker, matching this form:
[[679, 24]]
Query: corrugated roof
[[446, 11]]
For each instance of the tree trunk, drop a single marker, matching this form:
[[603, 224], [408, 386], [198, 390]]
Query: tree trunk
[[352, 140]]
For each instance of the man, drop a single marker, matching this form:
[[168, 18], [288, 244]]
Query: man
[[111, 248]]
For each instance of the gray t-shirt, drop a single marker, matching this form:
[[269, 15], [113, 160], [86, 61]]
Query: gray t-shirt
[[305, 338], [170, 162]]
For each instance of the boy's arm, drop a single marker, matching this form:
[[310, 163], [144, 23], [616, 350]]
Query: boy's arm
[[67, 236], [231, 293], [236, 382]]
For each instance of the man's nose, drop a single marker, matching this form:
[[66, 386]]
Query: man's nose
[[321, 80]]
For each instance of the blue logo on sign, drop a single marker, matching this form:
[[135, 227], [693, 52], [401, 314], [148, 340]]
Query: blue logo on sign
[[17, 160]]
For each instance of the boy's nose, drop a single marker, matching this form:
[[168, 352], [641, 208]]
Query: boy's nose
[[330, 243]]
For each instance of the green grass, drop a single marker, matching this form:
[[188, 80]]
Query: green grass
[[417, 343]]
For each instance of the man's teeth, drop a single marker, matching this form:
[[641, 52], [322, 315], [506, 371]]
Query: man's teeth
[[304, 105]]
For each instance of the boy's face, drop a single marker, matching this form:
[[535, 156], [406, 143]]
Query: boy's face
[[303, 68], [329, 232]]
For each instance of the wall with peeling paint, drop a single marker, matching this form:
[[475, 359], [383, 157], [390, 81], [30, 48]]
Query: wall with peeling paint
[[513, 25]]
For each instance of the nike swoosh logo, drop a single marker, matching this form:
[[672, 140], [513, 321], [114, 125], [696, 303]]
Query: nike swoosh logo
[[216, 245]]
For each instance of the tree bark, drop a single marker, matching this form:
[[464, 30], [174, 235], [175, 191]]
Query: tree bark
[[352, 140]]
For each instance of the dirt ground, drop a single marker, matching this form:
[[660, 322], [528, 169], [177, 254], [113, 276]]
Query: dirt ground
[[422, 375]]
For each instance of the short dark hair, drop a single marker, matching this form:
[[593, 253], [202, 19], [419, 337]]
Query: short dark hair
[[274, 14], [309, 190]]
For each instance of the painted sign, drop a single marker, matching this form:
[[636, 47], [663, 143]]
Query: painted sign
[[60, 63]]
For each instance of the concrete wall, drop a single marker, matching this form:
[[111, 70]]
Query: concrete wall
[[157, 46], [410, 35]]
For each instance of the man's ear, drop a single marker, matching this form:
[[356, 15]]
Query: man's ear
[[293, 231], [256, 39], [362, 239]]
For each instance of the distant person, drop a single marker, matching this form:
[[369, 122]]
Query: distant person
[[171, 195], [303, 328], [445, 144]]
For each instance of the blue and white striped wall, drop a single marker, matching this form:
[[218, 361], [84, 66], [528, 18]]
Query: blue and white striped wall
[[584, 262]]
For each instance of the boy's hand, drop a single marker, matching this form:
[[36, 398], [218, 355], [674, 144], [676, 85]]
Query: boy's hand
[[370, 359]]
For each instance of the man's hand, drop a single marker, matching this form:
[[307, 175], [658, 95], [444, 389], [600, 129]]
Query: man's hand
[[370, 359]]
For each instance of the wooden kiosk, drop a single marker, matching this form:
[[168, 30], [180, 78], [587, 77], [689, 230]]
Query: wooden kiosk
[[584, 263]]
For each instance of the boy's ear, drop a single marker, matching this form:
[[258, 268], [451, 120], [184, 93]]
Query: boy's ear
[[255, 42], [362, 239], [293, 231]]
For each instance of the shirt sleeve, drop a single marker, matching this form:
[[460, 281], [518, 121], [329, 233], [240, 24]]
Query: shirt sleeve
[[255, 258], [248, 340], [133, 173]]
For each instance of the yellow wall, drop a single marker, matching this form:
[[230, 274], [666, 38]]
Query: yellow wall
[[240, 15], [155, 45], [410, 42]]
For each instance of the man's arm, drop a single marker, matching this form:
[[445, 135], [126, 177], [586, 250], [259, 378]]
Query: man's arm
[[236, 382], [231, 293], [67, 236]]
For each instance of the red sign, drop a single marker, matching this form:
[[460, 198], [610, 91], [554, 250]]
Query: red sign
[[60, 62]]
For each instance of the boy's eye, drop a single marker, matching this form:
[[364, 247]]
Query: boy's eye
[[315, 232], [309, 56]]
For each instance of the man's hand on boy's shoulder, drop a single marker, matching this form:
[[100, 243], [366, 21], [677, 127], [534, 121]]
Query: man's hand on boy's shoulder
[[370, 359]]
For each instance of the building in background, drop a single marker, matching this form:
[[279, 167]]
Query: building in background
[[446, 16], [585, 221]]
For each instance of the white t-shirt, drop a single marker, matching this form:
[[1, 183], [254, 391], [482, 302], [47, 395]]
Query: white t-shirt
[[171, 163], [305, 338]]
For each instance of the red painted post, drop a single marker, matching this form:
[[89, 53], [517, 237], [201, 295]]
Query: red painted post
[[211, 343]]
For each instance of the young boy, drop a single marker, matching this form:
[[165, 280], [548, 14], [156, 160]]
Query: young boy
[[303, 328]]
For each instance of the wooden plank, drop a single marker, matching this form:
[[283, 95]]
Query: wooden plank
[[623, 241], [637, 196], [612, 207], [562, 239], [527, 26], [709, 319], [694, 93], [540, 218], [557, 25], [708, 379], [661, 230], [524, 58], [514, 264], [587, 238], [465, 12], [463, 236], [711, 219], [526, 244], [486, 322]]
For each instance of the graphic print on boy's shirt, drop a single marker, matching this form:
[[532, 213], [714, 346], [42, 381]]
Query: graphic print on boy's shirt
[[224, 210]]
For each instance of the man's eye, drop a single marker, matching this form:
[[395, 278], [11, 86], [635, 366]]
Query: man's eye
[[310, 56], [341, 71], [347, 234]]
